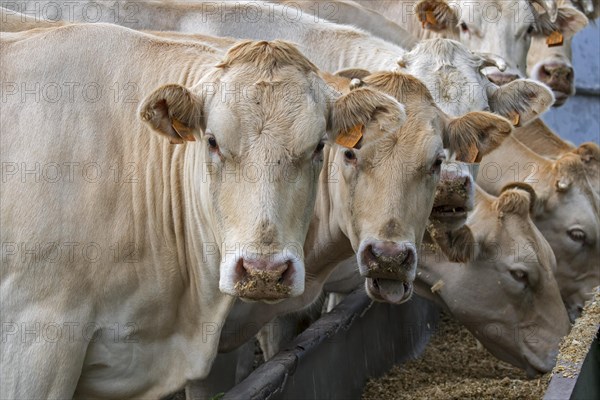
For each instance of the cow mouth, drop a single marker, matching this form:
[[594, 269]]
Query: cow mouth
[[388, 290], [559, 98], [449, 211]]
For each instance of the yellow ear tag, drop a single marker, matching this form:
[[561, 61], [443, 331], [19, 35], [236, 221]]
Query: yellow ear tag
[[555, 39], [182, 130], [351, 137]]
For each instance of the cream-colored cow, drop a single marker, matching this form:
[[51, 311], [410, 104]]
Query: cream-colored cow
[[116, 242], [506, 294], [550, 65], [566, 212]]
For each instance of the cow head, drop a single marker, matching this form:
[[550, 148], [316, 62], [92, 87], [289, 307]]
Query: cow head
[[506, 295], [551, 64], [454, 199], [254, 130], [567, 213], [388, 179], [452, 73], [502, 27]]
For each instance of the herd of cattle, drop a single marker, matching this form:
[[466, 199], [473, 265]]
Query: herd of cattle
[[188, 154]]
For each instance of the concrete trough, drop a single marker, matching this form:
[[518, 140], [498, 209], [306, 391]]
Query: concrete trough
[[334, 357]]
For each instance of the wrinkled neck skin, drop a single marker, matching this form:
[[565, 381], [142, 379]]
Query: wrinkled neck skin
[[541, 139], [331, 47], [327, 244]]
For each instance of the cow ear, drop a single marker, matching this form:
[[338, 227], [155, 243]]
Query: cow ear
[[353, 73], [588, 152], [436, 15], [353, 111], [568, 22], [173, 111], [475, 134], [520, 101]]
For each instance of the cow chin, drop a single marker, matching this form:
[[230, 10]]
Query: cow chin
[[388, 291]]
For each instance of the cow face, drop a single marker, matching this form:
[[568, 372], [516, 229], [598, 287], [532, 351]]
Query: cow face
[[502, 27], [506, 295], [452, 74], [552, 65], [254, 128], [388, 180], [567, 215]]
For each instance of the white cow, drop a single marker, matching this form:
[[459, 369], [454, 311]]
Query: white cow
[[550, 65], [454, 81], [115, 243]]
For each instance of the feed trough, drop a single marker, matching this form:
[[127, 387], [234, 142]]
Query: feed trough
[[334, 357]]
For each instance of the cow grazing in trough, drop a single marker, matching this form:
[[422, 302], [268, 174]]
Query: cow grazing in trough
[[506, 293], [450, 71], [174, 223], [566, 211]]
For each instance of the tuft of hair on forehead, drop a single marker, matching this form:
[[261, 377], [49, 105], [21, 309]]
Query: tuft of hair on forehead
[[515, 199], [445, 52], [523, 187], [403, 87], [266, 55], [569, 168], [361, 106]]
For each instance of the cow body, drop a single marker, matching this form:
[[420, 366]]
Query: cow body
[[121, 245]]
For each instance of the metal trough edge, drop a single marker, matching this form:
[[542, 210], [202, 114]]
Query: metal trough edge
[[336, 355]]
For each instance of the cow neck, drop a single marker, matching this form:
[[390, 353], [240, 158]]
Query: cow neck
[[327, 243], [331, 47], [540, 138], [517, 163]]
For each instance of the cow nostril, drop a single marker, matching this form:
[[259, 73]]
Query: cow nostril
[[569, 74]]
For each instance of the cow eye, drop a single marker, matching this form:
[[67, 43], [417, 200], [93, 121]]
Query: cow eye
[[577, 235], [212, 143], [464, 27], [320, 147], [530, 29], [437, 164], [520, 276], [349, 155]]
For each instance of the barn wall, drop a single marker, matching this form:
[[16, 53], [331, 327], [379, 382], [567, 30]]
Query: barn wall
[[579, 119]]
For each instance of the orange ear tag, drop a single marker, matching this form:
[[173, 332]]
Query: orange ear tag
[[430, 18], [516, 119], [182, 130], [351, 137], [555, 39]]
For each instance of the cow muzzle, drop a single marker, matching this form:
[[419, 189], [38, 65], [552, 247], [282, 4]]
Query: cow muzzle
[[560, 78], [267, 278], [390, 269]]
